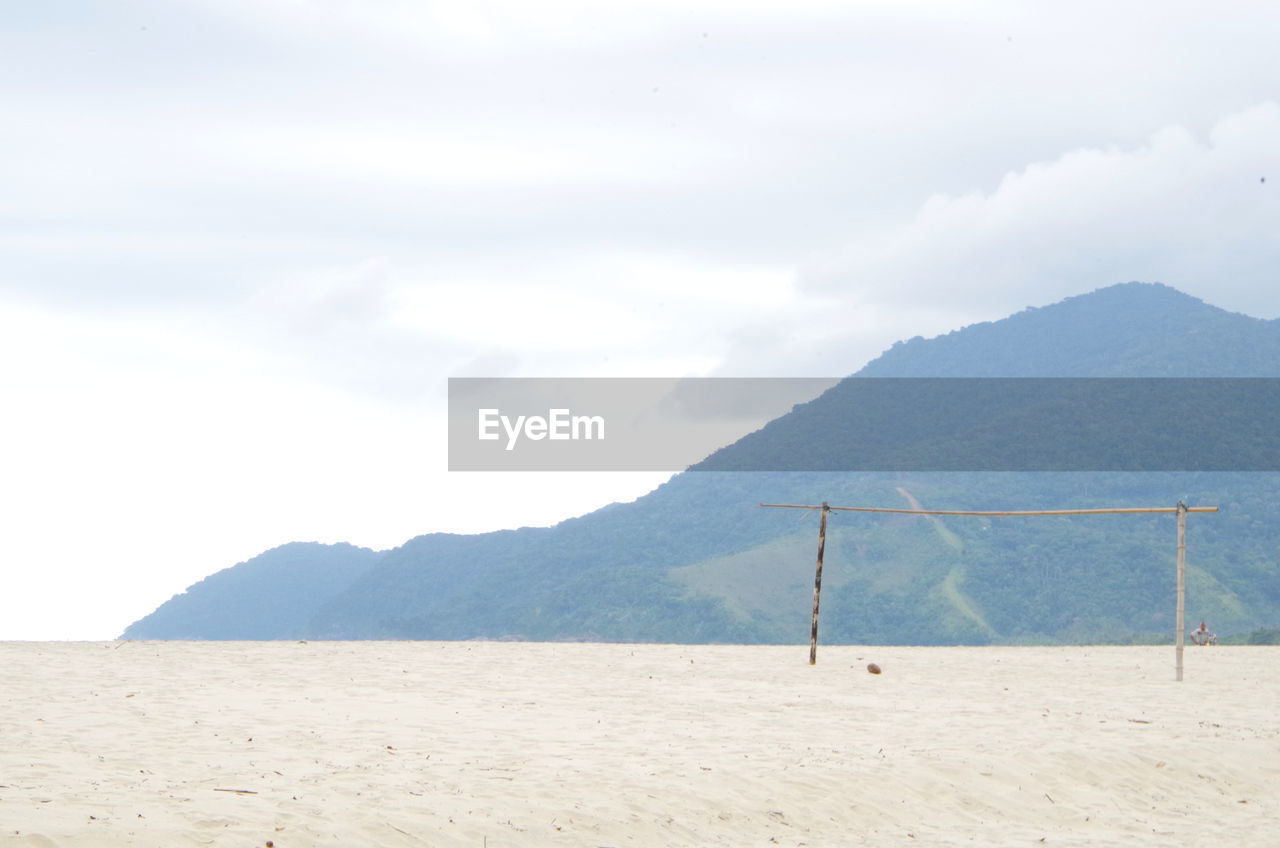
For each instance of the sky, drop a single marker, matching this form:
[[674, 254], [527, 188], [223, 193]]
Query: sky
[[245, 243]]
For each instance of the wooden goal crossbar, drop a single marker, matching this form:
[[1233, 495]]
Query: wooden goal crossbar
[[997, 512], [1181, 509]]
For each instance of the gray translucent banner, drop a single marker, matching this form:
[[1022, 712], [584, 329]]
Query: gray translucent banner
[[864, 424], [609, 424]]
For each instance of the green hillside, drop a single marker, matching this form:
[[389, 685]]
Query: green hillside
[[698, 560]]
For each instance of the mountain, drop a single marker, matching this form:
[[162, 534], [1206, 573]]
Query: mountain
[[697, 560], [277, 592], [1126, 330]]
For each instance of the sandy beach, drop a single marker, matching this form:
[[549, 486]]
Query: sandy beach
[[508, 744]]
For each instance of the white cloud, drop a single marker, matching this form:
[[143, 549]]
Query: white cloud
[[1195, 214]]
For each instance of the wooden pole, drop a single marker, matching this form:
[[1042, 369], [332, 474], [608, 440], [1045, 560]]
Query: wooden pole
[[817, 585], [1182, 586]]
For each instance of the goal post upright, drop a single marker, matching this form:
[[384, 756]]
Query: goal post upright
[[1182, 587], [817, 585]]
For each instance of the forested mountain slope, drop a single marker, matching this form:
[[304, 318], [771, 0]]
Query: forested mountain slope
[[697, 560]]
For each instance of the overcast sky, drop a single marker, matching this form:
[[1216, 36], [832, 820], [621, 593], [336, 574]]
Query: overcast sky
[[244, 243]]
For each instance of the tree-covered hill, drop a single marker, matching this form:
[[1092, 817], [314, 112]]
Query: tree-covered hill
[[275, 593], [697, 560], [1125, 330]]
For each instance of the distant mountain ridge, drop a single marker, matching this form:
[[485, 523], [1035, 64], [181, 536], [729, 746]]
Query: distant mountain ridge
[[698, 561], [276, 592], [1125, 330]]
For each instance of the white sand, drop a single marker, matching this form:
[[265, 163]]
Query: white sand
[[483, 744]]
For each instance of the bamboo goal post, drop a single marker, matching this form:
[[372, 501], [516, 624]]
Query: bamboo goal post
[[1181, 510]]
